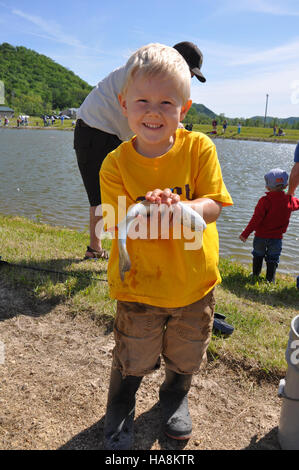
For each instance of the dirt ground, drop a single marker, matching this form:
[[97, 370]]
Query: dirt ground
[[54, 379]]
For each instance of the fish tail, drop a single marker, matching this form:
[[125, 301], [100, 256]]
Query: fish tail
[[124, 261]]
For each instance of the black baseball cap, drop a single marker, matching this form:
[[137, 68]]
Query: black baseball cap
[[193, 56]]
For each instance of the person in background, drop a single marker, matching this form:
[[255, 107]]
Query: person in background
[[214, 124], [280, 132], [270, 221], [294, 176], [101, 127]]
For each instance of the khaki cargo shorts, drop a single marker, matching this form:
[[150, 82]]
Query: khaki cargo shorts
[[143, 333]]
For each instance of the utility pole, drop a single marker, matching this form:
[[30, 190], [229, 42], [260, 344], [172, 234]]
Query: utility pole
[[267, 96]]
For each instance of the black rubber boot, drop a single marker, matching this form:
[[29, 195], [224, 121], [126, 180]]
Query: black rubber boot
[[120, 412], [270, 273], [257, 264], [174, 403]]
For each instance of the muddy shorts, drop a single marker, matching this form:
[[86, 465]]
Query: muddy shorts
[[143, 333]]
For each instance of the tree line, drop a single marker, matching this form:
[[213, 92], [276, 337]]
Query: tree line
[[196, 117]]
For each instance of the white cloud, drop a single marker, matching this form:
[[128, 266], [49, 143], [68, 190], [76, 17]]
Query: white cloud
[[238, 79], [278, 54], [53, 30], [273, 7], [221, 51], [245, 97]]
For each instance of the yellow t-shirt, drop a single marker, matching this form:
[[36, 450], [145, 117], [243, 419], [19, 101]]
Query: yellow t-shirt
[[163, 273]]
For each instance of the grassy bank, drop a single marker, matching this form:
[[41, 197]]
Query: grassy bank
[[261, 313], [264, 134]]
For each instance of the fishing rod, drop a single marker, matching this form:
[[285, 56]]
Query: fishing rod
[[49, 271]]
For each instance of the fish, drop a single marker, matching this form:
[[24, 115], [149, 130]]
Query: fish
[[189, 218]]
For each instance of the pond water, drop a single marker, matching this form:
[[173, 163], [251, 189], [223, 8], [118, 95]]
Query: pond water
[[39, 179]]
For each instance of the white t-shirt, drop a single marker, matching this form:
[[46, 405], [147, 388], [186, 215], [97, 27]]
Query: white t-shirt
[[101, 108]]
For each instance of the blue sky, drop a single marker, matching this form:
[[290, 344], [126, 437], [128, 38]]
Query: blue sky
[[250, 47]]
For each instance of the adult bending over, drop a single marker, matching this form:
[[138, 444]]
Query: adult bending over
[[101, 127]]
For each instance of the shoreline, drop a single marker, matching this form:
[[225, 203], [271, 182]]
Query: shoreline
[[107, 238], [40, 128], [212, 137], [256, 139]]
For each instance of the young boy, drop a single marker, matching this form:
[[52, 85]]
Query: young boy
[[270, 221], [101, 128], [165, 304]]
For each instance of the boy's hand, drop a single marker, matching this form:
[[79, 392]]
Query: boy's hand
[[242, 238], [157, 196]]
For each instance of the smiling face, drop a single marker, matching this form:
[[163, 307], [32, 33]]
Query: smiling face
[[154, 108]]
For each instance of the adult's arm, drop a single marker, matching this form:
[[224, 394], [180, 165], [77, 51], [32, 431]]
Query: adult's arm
[[294, 179]]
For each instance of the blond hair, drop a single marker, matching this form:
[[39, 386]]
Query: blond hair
[[155, 60]]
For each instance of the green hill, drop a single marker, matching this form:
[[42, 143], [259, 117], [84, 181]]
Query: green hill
[[202, 109], [198, 113], [35, 84]]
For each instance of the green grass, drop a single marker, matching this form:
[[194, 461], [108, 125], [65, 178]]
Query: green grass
[[260, 312]]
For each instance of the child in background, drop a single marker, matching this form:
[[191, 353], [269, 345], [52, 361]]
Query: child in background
[[165, 305], [270, 221]]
